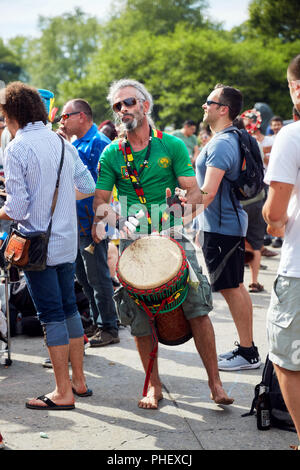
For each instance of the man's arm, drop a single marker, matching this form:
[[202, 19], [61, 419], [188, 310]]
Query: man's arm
[[213, 178], [275, 207], [80, 195]]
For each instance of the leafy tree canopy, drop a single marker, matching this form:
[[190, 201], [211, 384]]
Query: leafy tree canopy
[[276, 18], [64, 49], [10, 70]]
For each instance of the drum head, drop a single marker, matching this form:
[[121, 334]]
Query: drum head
[[150, 262]]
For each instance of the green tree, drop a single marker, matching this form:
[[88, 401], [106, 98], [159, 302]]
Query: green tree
[[276, 18], [181, 68], [158, 17], [10, 70], [64, 49]]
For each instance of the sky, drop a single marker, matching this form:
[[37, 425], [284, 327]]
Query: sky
[[19, 17]]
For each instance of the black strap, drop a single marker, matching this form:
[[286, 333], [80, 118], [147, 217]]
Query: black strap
[[55, 195]]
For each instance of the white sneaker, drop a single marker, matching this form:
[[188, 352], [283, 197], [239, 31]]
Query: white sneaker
[[228, 354], [238, 362]]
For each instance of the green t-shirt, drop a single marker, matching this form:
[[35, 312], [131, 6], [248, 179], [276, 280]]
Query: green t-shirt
[[190, 142], [168, 160]]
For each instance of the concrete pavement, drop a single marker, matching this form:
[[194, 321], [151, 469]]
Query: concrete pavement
[[110, 420]]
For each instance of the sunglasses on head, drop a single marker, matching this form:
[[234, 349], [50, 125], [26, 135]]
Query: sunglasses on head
[[127, 102]]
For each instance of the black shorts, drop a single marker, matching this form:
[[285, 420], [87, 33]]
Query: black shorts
[[256, 225], [224, 257]]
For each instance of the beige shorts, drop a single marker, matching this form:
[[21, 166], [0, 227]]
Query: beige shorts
[[283, 323]]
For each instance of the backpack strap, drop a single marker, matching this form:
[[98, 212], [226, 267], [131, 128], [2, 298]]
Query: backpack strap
[[238, 132]]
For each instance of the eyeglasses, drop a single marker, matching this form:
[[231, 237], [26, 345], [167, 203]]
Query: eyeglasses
[[209, 102], [127, 102], [67, 115]]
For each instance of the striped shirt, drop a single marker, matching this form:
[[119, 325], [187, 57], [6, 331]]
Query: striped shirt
[[31, 162]]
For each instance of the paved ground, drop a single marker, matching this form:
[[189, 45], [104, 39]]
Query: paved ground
[[110, 420]]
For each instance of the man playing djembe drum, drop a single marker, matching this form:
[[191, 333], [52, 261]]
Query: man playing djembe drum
[[163, 162]]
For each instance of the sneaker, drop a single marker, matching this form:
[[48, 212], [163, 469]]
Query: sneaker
[[2, 445], [228, 354], [240, 361], [91, 330], [277, 243], [47, 364], [103, 338]]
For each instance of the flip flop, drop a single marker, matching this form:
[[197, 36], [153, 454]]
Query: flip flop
[[50, 405], [87, 393]]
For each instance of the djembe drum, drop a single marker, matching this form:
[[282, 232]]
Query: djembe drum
[[154, 270]]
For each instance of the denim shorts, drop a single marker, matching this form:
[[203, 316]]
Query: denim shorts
[[197, 303], [283, 323], [53, 295]]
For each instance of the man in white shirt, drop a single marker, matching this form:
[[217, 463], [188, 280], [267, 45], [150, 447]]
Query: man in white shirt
[[31, 163], [282, 213]]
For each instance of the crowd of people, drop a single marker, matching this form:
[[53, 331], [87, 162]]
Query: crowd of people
[[108, 175]]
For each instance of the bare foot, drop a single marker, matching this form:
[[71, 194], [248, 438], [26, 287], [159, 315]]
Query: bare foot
[[220, 397], [150, 402]]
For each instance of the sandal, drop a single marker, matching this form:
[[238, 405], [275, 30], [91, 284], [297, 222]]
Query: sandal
[[87, 393], [50, 405], [256, 287]]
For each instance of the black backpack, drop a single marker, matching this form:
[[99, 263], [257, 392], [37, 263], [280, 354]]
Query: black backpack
[[279, 415], [251, 179]]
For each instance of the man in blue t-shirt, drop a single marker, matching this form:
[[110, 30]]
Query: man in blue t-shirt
[[92, 270], [223, 228]]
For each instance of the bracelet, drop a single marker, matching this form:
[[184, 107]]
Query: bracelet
[[96, 223]]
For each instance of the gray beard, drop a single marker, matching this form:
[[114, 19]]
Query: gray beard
[[131, 125]]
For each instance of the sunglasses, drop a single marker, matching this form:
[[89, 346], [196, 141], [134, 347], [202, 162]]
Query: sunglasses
[[209, 102], [128, 102], [67, 115]]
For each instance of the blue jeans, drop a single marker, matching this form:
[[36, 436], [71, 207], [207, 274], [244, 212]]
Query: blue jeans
[[98, 276], [53, 295]]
